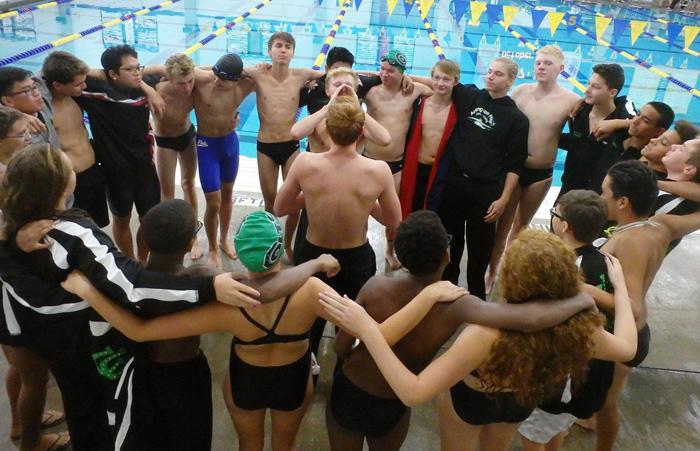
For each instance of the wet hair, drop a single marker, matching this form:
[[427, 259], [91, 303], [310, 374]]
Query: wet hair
[[62, 67], [510, 65], [585, 212], [686, 130], [340, 55], [666, 114], [552, 50], [8, 117], [613, 74], [112, 57], [343, 71], [9, 76], [635, 181], [538, 265], [344, 120], [281, 36], [448, 67], [168, 227], [34, 182], [421, 241], [179, 64]]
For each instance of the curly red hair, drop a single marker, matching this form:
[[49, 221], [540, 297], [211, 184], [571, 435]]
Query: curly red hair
[[538, 265]]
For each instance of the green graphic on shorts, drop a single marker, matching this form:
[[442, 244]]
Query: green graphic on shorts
[[109, 362]]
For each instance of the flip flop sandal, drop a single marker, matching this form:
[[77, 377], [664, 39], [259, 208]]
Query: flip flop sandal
[[50, 418], [62, 442]]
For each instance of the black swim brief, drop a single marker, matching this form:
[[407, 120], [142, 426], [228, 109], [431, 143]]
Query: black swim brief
[[529, 176], [275, 387], [358, 411], [395, 166], [278, 152], [91, 194], [177, 143], [478, 408], [643, 340]]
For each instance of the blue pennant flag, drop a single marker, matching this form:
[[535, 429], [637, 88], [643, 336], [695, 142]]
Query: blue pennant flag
[[357, 4], [460, 8], [673, 30], [571, 23], [538, 16], [619, 27], [407, 6], [493, 12]]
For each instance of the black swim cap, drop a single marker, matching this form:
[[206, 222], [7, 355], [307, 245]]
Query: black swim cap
[[229, 67]]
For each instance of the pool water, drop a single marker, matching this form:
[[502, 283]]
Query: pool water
[[368, 30]]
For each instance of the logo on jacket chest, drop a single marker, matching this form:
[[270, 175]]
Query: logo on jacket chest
[[482, 118]]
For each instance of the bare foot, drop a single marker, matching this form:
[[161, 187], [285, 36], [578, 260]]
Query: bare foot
[[392, 262], [196, 251], [290, 253], [228, 249], [52, 442], [214, 259], [588, 424]]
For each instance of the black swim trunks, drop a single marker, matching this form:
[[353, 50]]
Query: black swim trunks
[[358, 411], [177, 143], [275, 387], [125, 190], [278, 152], [478, 408], [182, 408], [91, 194], [643, 340], [529, 176]]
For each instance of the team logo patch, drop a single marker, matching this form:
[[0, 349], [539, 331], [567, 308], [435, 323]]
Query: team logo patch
[[482, 118]]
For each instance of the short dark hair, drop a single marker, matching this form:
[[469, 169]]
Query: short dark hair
[[635, 181], [9, 76], [421, 241], [666, 114], [585, 212], [613, 74], [8, 117], [112, 57], [62, 67], [282, 36], [168, 228], [340, 55], [685, 130]]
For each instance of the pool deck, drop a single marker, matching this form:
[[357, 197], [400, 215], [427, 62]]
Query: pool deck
[[660, 407]]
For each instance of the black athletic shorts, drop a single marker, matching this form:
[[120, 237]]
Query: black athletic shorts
[[358, 411], [478, 408], [182, 407], [278, 152], [91, 194], [177, 143], [126, 190], [643, 340], [589, 397], [529, 176]]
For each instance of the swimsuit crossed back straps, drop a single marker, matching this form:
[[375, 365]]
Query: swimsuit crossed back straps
[[271, 336], [612, 231]]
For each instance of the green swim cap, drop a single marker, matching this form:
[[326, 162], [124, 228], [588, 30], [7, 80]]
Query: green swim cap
[[258, 241], [396, 59]]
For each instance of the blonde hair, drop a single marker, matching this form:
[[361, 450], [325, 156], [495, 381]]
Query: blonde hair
[[178, 65], [448, 67], [510, 65], [343, 71], [345, 120], [552, 50]]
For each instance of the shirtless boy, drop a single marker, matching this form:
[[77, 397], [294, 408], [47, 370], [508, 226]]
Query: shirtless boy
[[392, 108], [657, 148], [431, 128], [640, 244], [362, 405], [217, 94], [547, 105], [338, 207], [65, 76], [175, 133], [277, 91]]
